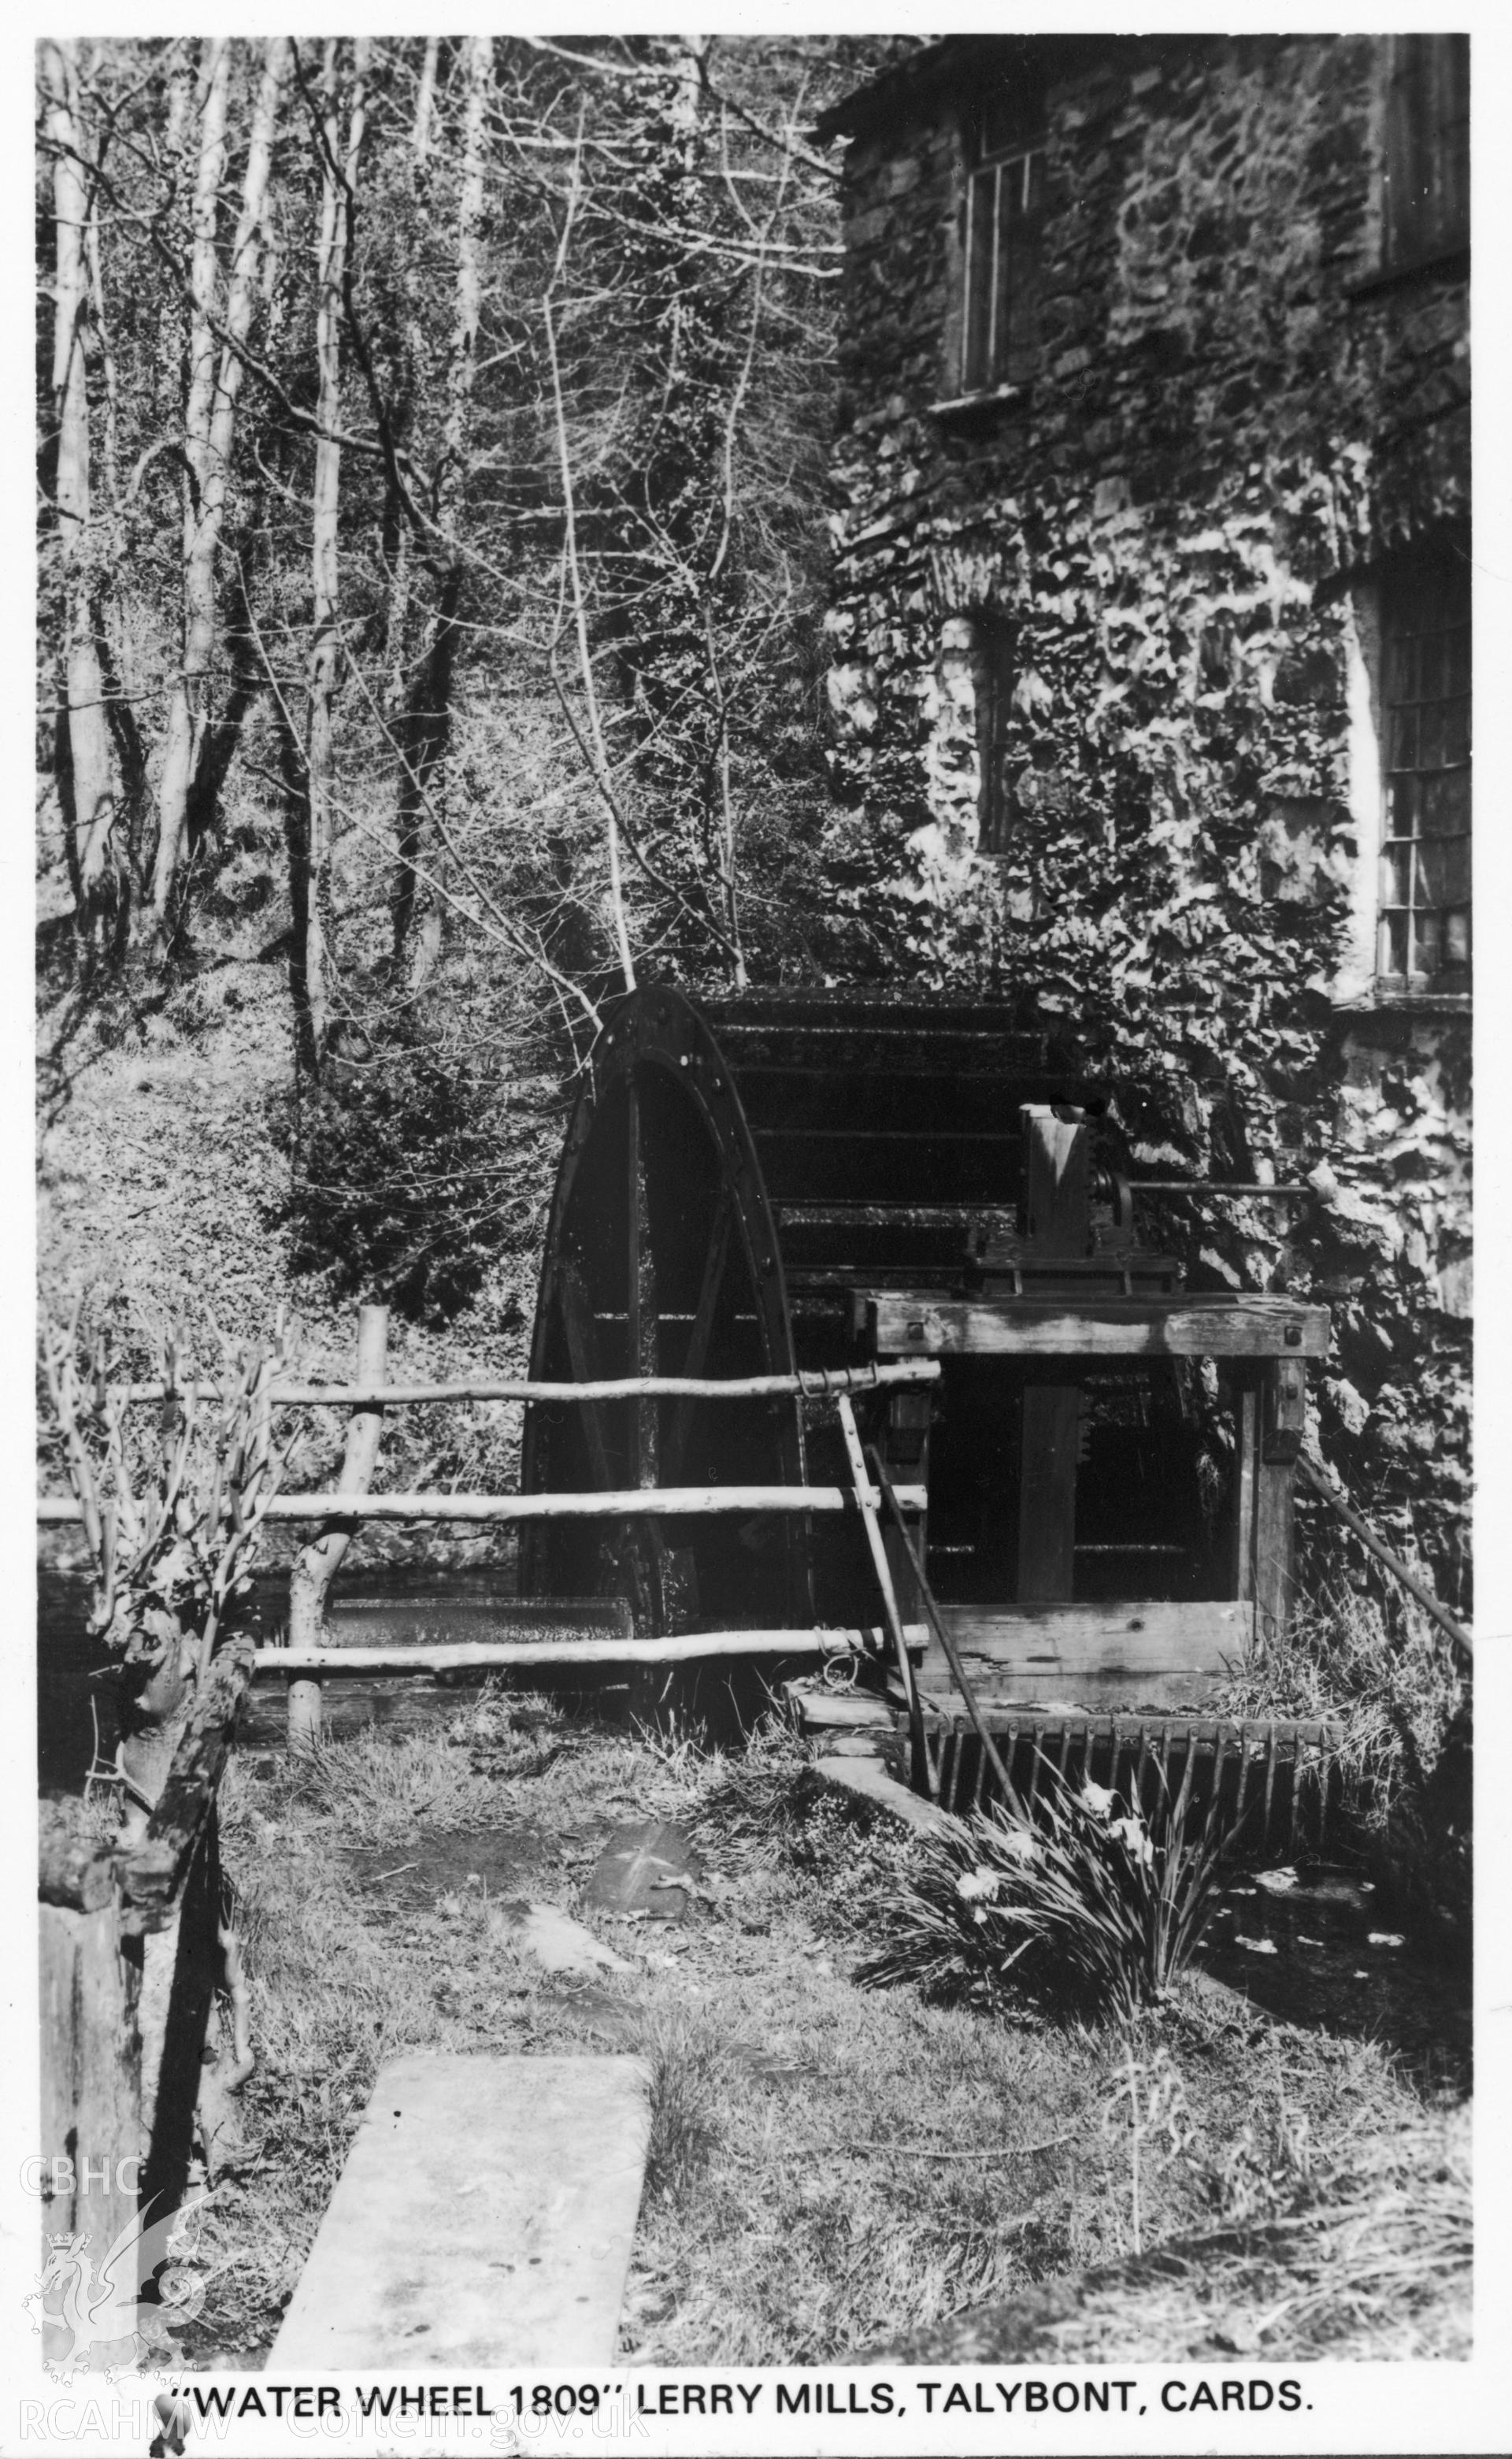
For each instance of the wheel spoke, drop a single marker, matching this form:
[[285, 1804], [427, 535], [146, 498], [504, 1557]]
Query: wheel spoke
[[582, 1351], [640, 1296], [708, 1296]]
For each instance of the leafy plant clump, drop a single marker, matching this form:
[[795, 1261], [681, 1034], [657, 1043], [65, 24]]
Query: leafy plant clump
[[1094, 1900], [404, 1183], [173, 1498]]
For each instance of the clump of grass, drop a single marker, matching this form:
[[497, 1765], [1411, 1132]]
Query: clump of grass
[[1095, 1900], [689, 2062], [1363, 2254], [1401, 1764], [1391, 1683], [376, 1791]]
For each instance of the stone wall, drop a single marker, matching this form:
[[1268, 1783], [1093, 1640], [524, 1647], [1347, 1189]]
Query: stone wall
[[1235, 419]]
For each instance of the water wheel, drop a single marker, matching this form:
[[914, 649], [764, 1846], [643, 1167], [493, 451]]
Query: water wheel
[[662, 1258]]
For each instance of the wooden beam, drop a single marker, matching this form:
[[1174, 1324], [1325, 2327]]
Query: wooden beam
[[91, 2076], [1047, 1483], [901, 1321], [667, 1501], [1198, 1634], [1242, 1509], [1149, 1655]]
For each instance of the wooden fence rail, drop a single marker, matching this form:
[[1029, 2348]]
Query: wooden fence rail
[[818, 1384], [618, 1503], [684, 1648]]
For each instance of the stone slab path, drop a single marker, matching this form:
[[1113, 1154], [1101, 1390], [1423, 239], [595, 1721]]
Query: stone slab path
[[484, 2218]]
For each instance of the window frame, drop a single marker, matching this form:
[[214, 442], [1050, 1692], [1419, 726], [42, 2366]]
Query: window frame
[[1425, 740], [1007, 365], [1425, 159]]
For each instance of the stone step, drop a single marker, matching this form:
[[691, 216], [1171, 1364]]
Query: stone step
[[484, 2218], [864, 1780]]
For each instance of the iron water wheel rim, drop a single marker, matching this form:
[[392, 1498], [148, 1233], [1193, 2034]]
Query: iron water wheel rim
[[658, 1151]]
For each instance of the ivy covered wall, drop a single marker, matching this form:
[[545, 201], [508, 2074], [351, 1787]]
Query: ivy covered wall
[[1235, 419]]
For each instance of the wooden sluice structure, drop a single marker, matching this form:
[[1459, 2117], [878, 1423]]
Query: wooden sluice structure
[[827, 1182]]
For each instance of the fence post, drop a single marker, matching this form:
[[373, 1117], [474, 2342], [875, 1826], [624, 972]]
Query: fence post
[[92, 2136], [316, 1566]]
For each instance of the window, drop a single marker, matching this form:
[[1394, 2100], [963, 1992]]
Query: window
[[1427, 174], [1004, 219], [1424, 927], [995, 674]]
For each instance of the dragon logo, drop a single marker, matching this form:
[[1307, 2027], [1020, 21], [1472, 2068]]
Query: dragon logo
[[98, 2321]]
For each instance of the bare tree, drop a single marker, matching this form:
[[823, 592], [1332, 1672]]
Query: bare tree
[[428, 716], [85, 769], [338, 205], [215, 363]]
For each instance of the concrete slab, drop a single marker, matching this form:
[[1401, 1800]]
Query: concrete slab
[[485, 2217], [869, 1781]]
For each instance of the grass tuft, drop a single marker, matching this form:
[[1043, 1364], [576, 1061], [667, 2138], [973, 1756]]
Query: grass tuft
[[1401, 1769], [689, 2062]]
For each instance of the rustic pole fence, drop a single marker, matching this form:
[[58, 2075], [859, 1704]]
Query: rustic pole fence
[[338, 1511], [309, 1581]]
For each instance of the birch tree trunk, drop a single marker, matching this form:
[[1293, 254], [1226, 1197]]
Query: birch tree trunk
[[84, 766], [215, 381], [428, 724], [425, 98], [338, 195]]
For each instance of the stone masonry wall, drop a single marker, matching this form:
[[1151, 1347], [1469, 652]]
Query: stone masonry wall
[[1232, 424]]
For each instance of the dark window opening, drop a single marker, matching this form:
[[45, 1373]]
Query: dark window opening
[[1427, 173], [1004, 222], [1425, 834], [995, 677]]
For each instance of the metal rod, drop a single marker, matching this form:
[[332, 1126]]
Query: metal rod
[[871, 1521], [1220, 1753], [1321, 1483], [818, 1383], [952, 1657], [1211, 1187], [1244, 1775], [1272, 1748]]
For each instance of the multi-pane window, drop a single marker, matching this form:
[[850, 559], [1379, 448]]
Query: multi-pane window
[[1004, 220], [995, 674], [1425, 841], [1427, 168]]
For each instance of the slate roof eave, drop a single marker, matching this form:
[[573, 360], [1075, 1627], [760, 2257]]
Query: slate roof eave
[[947, 57]]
